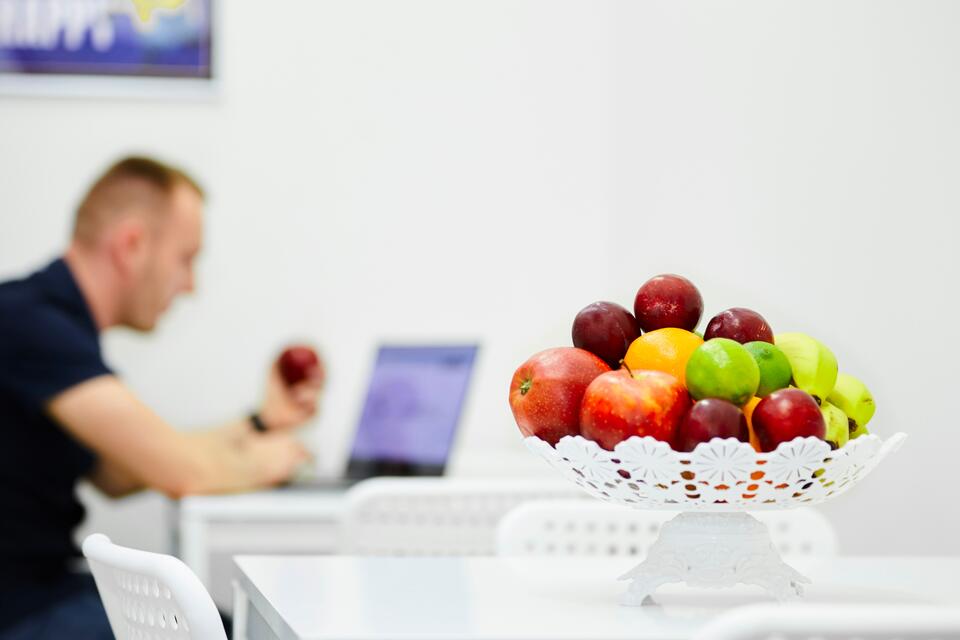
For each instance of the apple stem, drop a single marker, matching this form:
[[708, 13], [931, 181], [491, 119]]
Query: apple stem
[[525, 386], [623, 363]]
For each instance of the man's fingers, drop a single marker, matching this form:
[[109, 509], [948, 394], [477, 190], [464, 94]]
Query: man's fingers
[[304, 397], [303, 453], [295, 449], [308, 388], [315, 379], [308, 409]]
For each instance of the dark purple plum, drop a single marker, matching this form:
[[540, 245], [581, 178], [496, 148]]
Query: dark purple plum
[[711, 418], [606, 330], [668, 300]]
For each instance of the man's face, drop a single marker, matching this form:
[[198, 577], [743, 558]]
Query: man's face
[[166, 270]]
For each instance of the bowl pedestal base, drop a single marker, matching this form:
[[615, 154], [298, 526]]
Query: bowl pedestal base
[[713, 550]]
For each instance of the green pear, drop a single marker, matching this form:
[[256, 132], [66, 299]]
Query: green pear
[[838, 430], [855, 400], [814, 366]]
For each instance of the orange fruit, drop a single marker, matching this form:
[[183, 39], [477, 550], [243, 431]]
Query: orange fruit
[[748, 412], [664, 350]]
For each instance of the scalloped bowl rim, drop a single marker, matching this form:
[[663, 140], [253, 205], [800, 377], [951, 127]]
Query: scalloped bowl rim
[[597, 466]]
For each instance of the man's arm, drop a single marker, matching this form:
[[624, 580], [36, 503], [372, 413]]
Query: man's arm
[[116, 481], [111, 479], [137, 448]]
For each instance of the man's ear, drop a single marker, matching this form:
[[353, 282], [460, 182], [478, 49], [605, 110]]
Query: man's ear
[[128, 245]]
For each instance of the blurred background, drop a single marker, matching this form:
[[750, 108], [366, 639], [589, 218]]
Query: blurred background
[[480, 170]]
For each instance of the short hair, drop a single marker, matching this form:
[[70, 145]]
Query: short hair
[[132, 183]]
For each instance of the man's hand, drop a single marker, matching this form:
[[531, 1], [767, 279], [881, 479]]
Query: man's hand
[[288, 407], [277, 456]]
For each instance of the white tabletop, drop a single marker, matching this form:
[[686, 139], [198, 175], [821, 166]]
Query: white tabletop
[[316, 597]]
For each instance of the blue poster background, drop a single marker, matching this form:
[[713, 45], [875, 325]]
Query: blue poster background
[[106, 37]]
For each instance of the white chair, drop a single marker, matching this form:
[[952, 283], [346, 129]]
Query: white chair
[[578, 528], [834, 622], [150, 595], [800, 532], [436, 516], [597, 528]]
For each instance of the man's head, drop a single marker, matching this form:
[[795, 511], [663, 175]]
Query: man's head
[[144, 219]]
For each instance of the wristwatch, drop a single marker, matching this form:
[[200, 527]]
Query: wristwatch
[[258, 424]]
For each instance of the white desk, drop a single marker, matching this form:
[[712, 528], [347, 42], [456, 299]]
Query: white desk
[[344, 598], [212, 529]]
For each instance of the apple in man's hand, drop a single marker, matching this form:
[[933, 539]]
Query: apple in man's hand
[[297, 363]]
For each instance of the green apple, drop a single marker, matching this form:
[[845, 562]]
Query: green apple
[[814, 366]]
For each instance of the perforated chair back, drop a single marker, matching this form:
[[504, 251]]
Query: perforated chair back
[[800, 532], [151, 596], [595, 528], [436, 516], [578, 528], [834, 622]]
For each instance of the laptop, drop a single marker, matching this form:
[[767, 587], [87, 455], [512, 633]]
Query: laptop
[[410, 415]]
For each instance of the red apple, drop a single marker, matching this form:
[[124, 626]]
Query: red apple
[[742, 325], [619, 404], [787, 414], [668, 301], [711, 418], [546, 391], [297, 363], [606, 330]]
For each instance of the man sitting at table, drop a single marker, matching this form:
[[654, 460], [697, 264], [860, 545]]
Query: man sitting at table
[[65, 416]]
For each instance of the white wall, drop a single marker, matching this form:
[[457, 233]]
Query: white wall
[[482, 169], [802, 159]]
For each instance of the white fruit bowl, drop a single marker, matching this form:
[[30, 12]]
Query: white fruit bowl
[[720, 475], [701, 547]]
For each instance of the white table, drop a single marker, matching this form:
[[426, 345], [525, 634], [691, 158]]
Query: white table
[[345, 598], [213, 529]]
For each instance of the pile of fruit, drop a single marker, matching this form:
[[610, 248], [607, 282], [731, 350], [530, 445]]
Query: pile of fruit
[[651, 374]]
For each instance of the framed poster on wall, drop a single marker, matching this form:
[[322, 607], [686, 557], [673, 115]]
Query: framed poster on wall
[[131, 48]]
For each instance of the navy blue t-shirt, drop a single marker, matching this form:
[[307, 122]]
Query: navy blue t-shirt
[[48, 344]]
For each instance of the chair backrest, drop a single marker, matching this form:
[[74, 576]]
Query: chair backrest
[[598, 528], [436, 516], [578, 528], [151, 595], [800, 532], [834, 622]]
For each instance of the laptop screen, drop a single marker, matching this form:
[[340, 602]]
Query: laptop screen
[[410, 415]]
